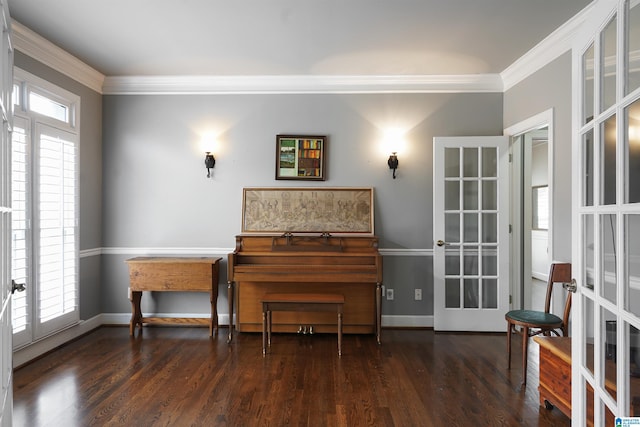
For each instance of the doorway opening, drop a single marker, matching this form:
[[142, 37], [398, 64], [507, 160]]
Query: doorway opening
[[531, 150]]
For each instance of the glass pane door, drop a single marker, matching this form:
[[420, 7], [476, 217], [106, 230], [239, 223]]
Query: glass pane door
[[606, 344], [470, 187]]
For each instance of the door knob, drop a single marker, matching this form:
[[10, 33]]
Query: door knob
[[571, 287], [441, 243], [20, 287]]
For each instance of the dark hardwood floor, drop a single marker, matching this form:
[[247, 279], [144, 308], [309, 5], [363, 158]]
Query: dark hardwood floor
[[180, 377]]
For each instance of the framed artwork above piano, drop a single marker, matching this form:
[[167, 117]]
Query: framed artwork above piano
[[308, 210]]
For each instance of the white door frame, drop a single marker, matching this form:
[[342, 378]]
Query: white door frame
[[538, 121]]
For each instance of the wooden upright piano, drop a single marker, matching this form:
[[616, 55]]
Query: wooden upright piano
[[349, 265]]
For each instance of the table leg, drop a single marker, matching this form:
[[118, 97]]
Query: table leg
[[136, 312], [213, 322]]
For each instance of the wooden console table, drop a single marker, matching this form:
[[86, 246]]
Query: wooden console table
[[164, 274]]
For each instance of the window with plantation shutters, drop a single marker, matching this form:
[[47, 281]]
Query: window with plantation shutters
[[45, 170], [55, 225]]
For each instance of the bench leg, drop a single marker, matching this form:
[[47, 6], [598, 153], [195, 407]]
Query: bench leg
[[340, 334], [269, 325]]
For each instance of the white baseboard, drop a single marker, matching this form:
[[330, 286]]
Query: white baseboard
[[223, 319], [32, 351], [38, 348], [407, 321], [124, 318]]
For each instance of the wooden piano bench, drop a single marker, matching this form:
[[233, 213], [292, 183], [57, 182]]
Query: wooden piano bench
[[299, 302]]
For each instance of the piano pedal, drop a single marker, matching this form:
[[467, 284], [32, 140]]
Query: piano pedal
[[310, 330], [300, 330]]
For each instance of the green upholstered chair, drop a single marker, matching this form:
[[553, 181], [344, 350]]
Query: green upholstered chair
[[529, 323]]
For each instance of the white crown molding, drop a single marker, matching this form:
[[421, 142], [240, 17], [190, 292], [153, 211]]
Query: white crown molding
[[554, 45], [232, 85], [42, 50]]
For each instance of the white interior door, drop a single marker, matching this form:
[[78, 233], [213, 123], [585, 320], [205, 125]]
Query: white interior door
[[471, 233], [606, 210]]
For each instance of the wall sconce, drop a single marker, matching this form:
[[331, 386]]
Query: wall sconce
[[209, 163], [393, 163]]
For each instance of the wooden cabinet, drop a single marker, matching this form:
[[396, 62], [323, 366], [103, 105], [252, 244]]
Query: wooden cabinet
[[555, 373], [555, 379]]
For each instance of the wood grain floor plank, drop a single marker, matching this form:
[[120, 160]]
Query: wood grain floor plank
[[178, 376]]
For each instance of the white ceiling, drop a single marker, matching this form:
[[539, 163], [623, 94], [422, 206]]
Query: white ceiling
[[295, 37]]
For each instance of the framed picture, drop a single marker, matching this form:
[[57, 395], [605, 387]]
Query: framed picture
[[307, 210], [300, 157]]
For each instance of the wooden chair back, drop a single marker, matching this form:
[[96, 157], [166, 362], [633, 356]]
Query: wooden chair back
[[560, 273]]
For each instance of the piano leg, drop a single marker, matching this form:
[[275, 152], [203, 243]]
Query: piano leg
[[230, 299], [340, 333], [378, 311]]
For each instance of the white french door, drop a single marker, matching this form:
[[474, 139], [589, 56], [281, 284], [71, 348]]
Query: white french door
[[606, 210], [471, 233], [6, 289]]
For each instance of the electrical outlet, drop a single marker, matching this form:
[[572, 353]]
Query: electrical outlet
[[418, 294], [390, 294]]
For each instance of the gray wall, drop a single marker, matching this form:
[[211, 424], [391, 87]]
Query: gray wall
[[550, 87], [90, 178], [143, 184], [156, 195]]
